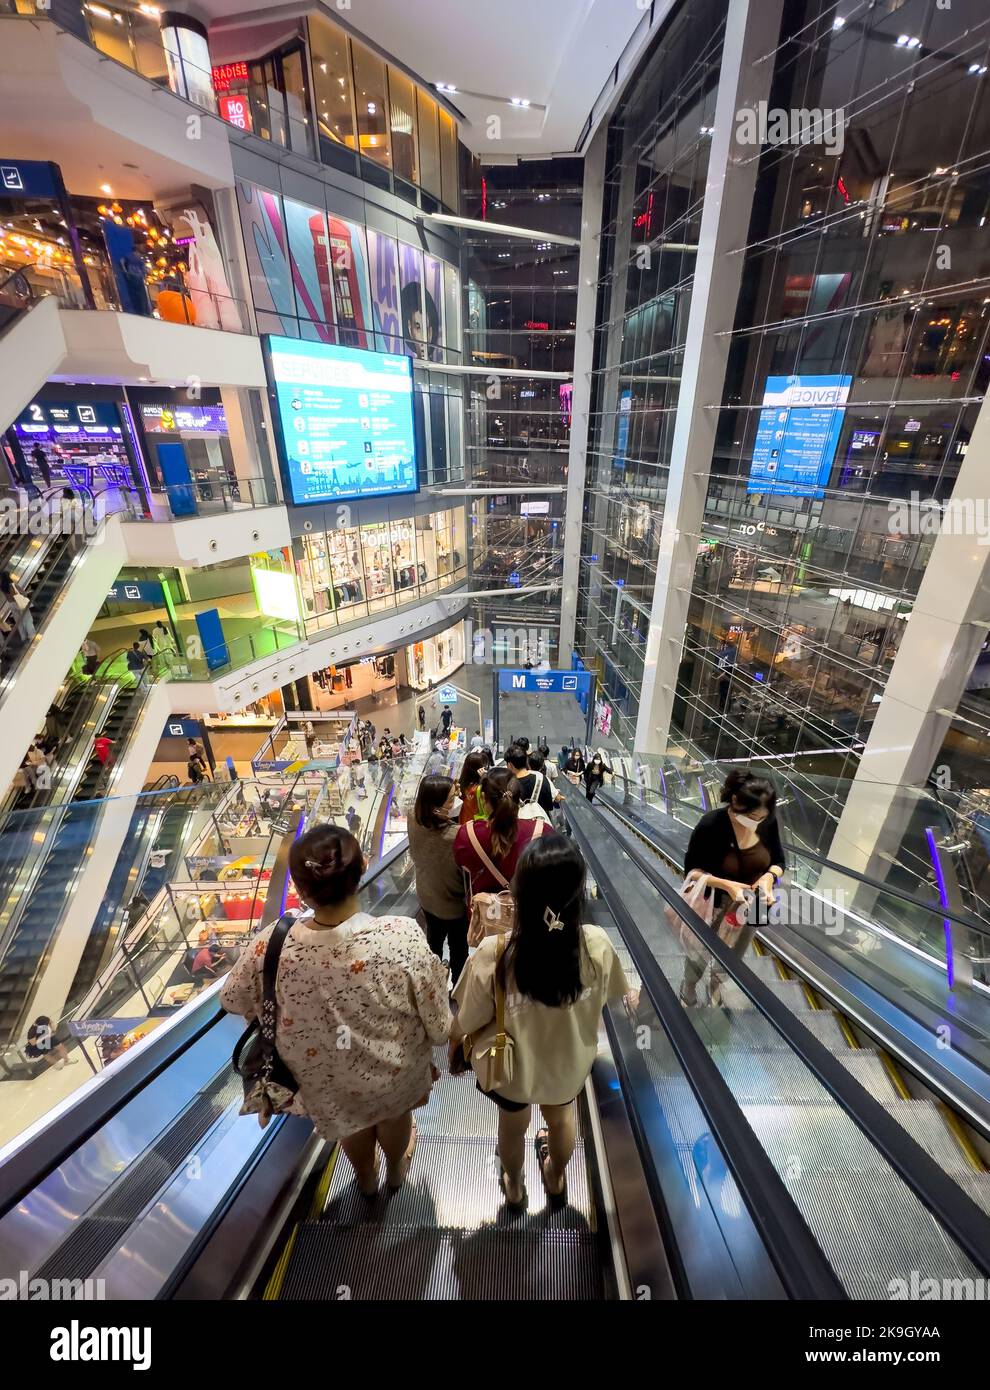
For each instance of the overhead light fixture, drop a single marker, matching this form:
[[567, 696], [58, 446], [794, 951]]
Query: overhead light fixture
[[518, 101], [105, 188], [372, 108], [838, 22], [445, 87]]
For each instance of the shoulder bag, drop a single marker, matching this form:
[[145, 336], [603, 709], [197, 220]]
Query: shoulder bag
[[269, 1086], [490, 1050], [491, 913]]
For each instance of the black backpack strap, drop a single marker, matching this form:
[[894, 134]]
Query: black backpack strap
[[269, 974]]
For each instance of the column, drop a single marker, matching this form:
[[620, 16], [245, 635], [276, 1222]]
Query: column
[[751, 31], [942, 638], [584, 347]]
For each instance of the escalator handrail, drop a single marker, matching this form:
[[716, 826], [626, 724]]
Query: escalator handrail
[[942, 913], [32, 1156], [804, 1270], [961, 1217]]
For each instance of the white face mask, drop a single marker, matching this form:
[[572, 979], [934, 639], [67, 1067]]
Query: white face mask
[[747, 822]]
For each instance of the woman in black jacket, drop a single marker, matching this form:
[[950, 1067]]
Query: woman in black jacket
[[594, 776], [738, 847]]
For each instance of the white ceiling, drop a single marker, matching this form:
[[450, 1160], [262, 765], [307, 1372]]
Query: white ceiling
[[557, 54]]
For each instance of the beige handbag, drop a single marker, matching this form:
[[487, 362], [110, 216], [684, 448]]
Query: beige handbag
[[491, 913], [490, 1050]]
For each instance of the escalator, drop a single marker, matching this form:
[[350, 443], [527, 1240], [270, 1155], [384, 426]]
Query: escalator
[[726, 1152], [49, 851], [160, 822]]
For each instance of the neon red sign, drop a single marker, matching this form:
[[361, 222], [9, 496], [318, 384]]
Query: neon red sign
[[227, 73], [235, 110], [534, 323]]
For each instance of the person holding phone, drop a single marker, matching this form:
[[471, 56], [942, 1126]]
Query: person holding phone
[[738, 848]]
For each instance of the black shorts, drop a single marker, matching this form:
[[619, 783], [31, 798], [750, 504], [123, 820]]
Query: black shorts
[[512, 1107]]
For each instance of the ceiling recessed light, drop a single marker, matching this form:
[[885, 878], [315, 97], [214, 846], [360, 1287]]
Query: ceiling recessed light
[[518, 101], [105, 188]]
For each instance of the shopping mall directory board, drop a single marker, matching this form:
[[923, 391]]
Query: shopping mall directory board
[[344, 418]]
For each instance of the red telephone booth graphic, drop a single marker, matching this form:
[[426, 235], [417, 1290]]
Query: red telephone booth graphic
[[350, 307], [324, 274]]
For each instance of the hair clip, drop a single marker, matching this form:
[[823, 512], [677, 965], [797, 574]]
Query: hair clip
[[553, 922]]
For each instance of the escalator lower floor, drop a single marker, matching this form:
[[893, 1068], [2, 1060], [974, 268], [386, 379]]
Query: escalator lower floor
[[448, 1232]]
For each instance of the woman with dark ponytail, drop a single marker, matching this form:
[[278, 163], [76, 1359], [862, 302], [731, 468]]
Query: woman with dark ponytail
[[500, 839], [737, 848], [555, 976], [361, 1002]]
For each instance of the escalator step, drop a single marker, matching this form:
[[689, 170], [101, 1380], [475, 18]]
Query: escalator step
[[399, 1262], [454, 1183], [924, 1122]]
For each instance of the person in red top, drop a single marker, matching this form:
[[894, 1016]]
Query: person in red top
[[101, 747], [503, 836]]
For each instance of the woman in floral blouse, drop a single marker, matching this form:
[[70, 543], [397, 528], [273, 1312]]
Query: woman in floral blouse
[[361, 1001]]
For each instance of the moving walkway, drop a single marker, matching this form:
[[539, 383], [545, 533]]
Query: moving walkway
[[726, 1152]]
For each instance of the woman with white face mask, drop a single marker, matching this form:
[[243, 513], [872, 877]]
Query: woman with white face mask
[[737, 847]]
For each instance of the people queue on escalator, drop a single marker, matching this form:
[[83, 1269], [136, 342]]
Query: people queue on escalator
[[380, 982]]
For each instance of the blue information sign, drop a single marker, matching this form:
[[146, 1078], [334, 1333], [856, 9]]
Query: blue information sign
[[447, 695], [576, 683], [797, 435]]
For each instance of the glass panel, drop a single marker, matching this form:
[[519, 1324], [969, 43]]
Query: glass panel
[[402, 115], [110, 33], [333, 87], [297, 102], [448, 160], [429, 143], [369, 85]]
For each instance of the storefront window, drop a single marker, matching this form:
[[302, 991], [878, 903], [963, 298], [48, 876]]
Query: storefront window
[[402, 117], [376, 550], [356, 571], [429, 143], [333, 88], [369, 87]]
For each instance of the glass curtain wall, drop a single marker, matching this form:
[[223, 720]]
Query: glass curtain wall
[[866, 277], [656, 167], [857, 365], [522, 297]]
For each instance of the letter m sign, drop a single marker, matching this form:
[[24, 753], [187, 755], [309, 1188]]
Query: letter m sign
[[518, 681]]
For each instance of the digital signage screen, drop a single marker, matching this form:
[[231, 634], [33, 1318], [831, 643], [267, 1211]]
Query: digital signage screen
[[797, 435], [345, 417]]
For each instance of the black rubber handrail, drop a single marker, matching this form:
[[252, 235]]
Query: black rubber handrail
[[802, 1265], [967, 1223]]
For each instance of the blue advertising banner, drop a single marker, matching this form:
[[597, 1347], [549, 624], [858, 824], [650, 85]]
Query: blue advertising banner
[[447, 695], [622, 438], [797, 435], [576, 683], [214, 642], [182, 728], [174, 467]]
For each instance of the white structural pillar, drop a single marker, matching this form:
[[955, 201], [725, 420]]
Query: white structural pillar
[[943, 636], [751, 32], [584, 348]]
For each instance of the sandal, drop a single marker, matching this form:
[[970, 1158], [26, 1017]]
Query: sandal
[[407, 1159], [502, 1176], [542, 1144]]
